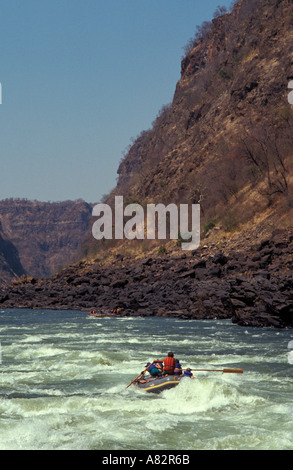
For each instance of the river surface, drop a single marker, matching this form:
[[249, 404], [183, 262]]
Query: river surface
[[63, 381]]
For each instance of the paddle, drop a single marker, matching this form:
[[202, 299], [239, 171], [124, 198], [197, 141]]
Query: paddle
[[231, 371], [139, 376]]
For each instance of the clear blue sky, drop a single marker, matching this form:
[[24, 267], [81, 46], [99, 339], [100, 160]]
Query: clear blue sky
[[79, 79]]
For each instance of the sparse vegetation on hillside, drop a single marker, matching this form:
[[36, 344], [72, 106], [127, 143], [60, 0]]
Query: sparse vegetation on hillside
[[228, 133]]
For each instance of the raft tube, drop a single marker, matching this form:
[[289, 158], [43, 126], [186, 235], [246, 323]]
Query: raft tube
[[158, 384], [98, 315]]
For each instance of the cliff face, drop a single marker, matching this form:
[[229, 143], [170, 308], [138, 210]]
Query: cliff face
[[47, 236], [10, 265], [226, 139]]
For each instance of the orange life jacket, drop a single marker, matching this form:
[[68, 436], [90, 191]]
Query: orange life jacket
[[169, 364]]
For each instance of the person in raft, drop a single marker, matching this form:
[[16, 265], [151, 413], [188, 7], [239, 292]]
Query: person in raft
[[188, 373], [169, 364], [154, 369], [178, 367]]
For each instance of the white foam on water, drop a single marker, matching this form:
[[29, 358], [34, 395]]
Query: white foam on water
[[40, 352], [31, 339], [63, 386], [202, 395], [42, 427]]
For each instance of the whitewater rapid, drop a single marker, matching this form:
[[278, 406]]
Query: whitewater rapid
[[63, 381]]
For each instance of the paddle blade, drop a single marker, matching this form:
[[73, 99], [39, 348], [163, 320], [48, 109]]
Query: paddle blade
[[233, 371]]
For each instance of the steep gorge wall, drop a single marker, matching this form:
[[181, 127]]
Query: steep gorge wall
[[47, 236], [10, 265], [220, 140]]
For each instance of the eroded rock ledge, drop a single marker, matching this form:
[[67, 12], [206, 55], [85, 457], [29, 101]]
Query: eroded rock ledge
[[252, 287]]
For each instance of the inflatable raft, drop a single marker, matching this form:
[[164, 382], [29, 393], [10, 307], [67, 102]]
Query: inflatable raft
[[158, 384], [98, 315]]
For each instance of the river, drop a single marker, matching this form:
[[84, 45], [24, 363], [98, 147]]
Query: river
[[63, 381]]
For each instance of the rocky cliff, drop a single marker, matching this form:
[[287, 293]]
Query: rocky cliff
[[47, 236], [226, 139], [10, 265]]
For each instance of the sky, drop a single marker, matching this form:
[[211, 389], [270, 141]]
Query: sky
[[80, 79]]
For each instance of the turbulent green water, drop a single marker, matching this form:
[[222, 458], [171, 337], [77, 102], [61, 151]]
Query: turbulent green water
[[63, 381]]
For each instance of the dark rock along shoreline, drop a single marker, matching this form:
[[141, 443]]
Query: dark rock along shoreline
[[252, 288]]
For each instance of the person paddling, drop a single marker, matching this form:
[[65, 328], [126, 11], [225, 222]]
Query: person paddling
[[153, 369]]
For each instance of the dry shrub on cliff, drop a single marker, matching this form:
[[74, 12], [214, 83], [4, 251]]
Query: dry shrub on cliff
[[202, 32], [268, 148]]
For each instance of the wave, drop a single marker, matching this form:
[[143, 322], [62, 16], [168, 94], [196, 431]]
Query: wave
[[203, 395]]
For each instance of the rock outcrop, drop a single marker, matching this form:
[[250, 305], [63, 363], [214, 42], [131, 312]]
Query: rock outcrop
[[251, 287]]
